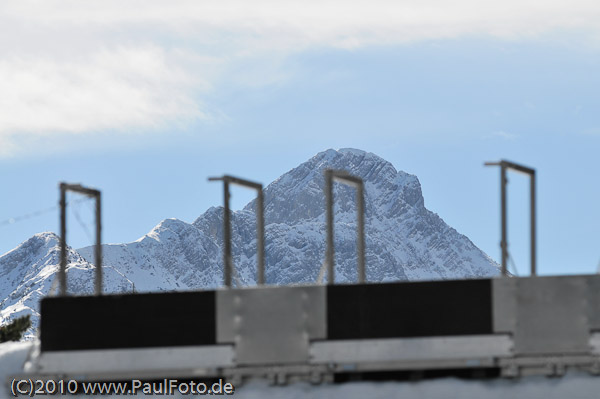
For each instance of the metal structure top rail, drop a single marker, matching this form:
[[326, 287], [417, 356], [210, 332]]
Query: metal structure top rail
[[504, 166], [62, 271], [260, 227], [343, 176]]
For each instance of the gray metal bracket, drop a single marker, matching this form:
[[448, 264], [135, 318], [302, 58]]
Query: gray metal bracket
[[260, 228], [342, 176], [62, 271], [504, 166]]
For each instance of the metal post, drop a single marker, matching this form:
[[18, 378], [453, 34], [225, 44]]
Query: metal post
[[98, 248], [62, 271], [360, 223], [227, 272], [260, 228], [260, 238], [533, 221], [504, 241], [344, 177], [329, 255]]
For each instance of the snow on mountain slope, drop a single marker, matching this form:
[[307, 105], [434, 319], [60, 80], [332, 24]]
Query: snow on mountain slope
[[173, 256], [28, 272], [404, 241]]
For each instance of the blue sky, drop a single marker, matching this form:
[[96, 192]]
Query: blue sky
[[146, 101]]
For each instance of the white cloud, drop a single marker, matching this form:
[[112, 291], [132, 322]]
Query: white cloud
[[71, 67], [123, 90], [321, 22], [111, 89]]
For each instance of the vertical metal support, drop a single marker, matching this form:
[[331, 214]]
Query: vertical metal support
[[329, 254], [532, 223], [260, 229], [98, 248], [227, 262], [360, 239], [504, 240], [260, 238], [504, 166], [62, 271], [344, 177]]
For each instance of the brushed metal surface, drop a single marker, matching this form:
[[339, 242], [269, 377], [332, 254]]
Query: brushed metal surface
[[504, 304], [411, 349], [129, 360], [594, 301], [552, 315], [271, 325]]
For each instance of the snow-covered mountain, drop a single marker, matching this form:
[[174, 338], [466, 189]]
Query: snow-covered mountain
[[404, 240], [29, 271]]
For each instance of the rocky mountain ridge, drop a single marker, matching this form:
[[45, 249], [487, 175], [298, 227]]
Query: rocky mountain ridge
[[404, 241]]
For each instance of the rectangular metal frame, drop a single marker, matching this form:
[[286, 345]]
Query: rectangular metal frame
[[504, 166], [342, 176], [62, 272], [260, 228]]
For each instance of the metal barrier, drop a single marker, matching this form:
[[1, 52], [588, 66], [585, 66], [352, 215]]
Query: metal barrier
[[504, 165], [62, 271], [260, 228], [344, 177]]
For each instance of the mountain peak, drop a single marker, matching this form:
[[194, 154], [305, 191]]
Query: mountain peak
[[39, 242], [298, 194], [347, 157], [353, 151]]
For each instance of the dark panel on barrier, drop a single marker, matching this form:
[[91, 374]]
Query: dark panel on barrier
[[416, 309], [128, 321]]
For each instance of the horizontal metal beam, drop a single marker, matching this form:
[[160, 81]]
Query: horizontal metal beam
[[141, 360], [411, 349], [238, 181], [513, 166], [344, 177], [80, 189]]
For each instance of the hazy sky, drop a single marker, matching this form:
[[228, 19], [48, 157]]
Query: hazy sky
[[146, 99]]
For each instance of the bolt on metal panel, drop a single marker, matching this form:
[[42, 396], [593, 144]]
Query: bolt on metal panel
[[271, 325], [552, 316]]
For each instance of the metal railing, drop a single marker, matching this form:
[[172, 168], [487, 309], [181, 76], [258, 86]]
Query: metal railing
[[260, 228], [62, 271], [342, 176], [504, 166]]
